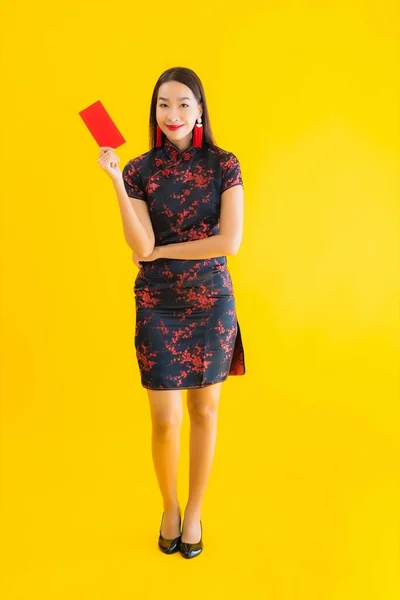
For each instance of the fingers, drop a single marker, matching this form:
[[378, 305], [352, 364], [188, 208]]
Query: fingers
[[108, 158], [107, 152], [109, 155]]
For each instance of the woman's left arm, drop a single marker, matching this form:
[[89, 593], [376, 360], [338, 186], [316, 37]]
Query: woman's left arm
[[215, 245], [225, 243]]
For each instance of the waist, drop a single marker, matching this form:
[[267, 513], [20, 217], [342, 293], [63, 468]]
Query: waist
[[172, 269], [178, 264]]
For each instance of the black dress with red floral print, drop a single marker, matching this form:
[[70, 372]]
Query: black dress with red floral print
[[187, 334]]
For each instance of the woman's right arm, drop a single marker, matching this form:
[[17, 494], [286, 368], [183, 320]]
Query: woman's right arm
[[137, 226], [136, 222]]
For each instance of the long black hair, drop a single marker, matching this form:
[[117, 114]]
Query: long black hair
[[191, 79]]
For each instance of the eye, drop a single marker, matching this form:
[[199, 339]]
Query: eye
[[183, 104]]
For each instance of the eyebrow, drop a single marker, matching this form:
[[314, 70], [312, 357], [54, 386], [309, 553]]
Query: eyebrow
[[184, 98]]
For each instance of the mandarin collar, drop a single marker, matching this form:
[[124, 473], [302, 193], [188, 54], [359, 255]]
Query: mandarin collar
[[175, 154]]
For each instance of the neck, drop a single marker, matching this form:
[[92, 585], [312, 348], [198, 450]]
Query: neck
[[183, 144]]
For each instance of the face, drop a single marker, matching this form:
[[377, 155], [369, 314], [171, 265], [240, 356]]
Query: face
[[176, 105]]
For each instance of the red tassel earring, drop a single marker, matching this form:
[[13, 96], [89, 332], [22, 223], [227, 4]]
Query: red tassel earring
[[198, 134], [159, 137]]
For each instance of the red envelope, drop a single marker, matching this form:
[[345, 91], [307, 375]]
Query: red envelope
[[101, 126]]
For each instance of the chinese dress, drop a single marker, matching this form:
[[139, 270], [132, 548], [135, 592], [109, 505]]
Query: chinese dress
[[187, 334]]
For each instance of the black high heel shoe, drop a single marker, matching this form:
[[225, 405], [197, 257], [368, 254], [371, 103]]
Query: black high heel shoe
[[188, 550], [169, 546]]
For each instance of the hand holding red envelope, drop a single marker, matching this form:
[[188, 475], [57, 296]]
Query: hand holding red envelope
[[106, 134]]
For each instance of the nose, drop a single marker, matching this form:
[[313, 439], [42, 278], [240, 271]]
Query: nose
[[173, 118]]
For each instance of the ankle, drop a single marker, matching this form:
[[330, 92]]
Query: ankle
[[171, 508], [193, 513]]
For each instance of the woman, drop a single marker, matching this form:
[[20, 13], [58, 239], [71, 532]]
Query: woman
[[181, 205]]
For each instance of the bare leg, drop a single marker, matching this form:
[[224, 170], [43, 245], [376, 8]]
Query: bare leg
[[203, 411], [166, 415]]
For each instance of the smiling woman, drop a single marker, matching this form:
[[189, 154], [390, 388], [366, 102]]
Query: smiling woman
[[187, 335]]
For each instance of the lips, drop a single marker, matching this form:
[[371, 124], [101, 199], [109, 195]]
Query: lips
[[174, 127]]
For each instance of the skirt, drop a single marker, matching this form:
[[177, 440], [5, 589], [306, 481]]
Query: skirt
[[187, 334]]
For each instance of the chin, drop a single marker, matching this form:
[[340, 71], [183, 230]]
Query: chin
[[180, 133]]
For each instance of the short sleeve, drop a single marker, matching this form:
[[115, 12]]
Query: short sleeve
[[132, 181], [230, 172]]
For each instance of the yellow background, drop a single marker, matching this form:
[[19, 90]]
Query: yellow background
[[303, 500]]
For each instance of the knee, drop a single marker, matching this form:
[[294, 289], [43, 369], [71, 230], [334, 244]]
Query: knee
[[167, 428], [204, 413]]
